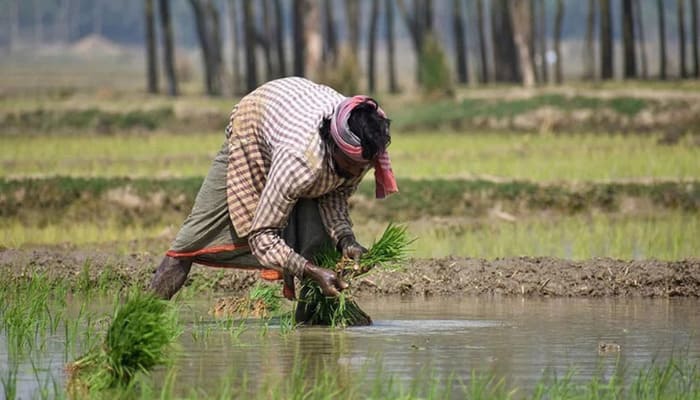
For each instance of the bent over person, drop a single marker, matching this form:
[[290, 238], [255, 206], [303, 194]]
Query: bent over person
[[278, 190]]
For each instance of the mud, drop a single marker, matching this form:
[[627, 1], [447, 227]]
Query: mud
[[524, 276]]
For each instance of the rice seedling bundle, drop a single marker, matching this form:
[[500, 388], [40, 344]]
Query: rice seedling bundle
[[140, 337], [316, 309]]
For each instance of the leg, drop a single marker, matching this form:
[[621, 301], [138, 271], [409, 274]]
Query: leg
[[170, 276]]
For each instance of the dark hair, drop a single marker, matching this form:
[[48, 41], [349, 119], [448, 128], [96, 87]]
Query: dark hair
[[371, 128], [368, 125]]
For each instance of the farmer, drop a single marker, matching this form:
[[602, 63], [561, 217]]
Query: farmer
[[278, 189]]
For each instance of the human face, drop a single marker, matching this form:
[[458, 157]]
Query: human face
[[346, 167]]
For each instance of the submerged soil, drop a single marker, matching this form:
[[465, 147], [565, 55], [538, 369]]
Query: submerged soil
[[518, 276]]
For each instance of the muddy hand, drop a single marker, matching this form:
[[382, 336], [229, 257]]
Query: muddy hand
[[351, 249], [288, 290], [331, 284]]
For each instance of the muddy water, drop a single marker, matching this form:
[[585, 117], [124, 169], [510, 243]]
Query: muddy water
[[513, 338], [518, 339]]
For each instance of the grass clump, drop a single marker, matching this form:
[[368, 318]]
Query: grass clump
[[140, 337], [316, 309]]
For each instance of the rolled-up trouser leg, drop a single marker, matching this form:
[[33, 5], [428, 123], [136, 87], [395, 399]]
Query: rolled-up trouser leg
[[170, 276]]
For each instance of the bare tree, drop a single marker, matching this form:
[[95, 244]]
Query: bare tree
[[630, 58], [482, 41], [504, 52], [330, 48], [558, 18], [681, 38], [38, 22], [371, 47], [352, 9], [299, 45], [642, 42], [97, 17], [166, 29], [694, 37], [265, 38], [662, 38], [542, 33], [233, 9], [14, 25], [313, 39], [251, 64], [279, 34], [207, 23], [589, 47], [606, 43], [151, 54], [391, 62], [460, 45], [522, 33], [419, 23]]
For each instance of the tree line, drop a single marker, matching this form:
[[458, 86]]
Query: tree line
[[515, 41]]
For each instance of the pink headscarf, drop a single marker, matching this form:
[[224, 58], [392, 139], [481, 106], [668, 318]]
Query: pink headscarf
[[350, 144]]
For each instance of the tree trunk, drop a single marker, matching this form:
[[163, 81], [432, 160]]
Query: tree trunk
[[606, 44], [265, 40], [352, 8], [504, 52], [416, 29], [522, 32], [460, 47], [371, 46], [251, 65], [482, 41], [628, 43], [298, 46], [558, 18], [533, 39], [642, 41], [330, 48], [542, 33], [314, 40], [391, 62], [38, 22], [681, 38], [279, 33], [151, 54], [235, 33], [207, 23], [589, 47], [63, 21], [168, 48], [13, 37], [97, 17], [662, 39], [694, 37]]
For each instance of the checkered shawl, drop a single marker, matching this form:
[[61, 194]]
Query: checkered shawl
[[276, 156]]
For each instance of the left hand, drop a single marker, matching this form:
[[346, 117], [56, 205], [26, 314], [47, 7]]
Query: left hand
[[351, 249]]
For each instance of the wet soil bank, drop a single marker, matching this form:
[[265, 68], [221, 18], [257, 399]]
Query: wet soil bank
[[523, 276]]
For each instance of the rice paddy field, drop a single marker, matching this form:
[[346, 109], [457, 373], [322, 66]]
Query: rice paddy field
[[556, 252]]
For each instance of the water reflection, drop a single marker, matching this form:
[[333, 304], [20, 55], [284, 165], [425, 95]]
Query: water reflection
[[518, 339]]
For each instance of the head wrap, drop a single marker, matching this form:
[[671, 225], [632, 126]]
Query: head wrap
[[351, 145]]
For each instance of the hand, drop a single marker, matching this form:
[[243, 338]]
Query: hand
[[331, 284], [288, 289], [351, 249]]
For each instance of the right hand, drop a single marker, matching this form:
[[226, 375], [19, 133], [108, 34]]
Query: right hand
[[331, 284]]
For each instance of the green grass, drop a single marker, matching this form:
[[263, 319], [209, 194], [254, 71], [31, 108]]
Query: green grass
[[664, 236], [667, 235], [541, 158]]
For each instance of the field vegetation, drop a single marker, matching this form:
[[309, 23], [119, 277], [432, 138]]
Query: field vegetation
[[584, 171]]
